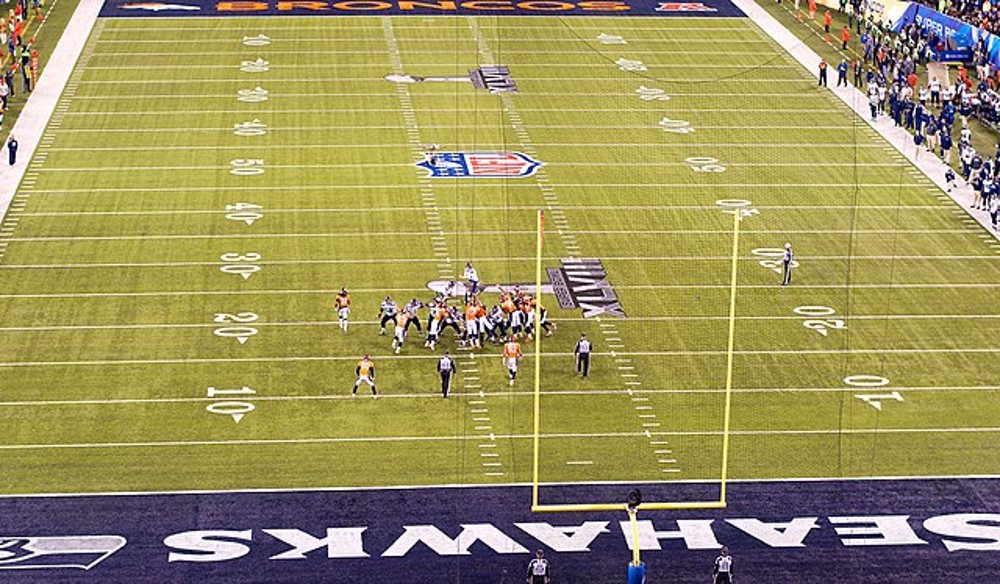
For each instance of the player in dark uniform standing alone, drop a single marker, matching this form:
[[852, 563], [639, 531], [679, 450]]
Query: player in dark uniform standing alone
[[786, 265], [538, 569], [722, 571]]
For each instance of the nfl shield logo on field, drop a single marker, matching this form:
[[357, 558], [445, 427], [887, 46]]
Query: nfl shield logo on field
[[480, 165]]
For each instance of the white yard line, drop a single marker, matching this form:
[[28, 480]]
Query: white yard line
[[326, 67], [40, 106], [524, 260], [458, 208], [650, 127], [626, 323], [368, 234], [382, 290], [494, 184], [481, 109], [384, 165], [463, 438], [505, 394]]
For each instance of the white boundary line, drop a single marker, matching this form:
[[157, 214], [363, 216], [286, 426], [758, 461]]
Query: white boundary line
[[987, 477], [40, 106]]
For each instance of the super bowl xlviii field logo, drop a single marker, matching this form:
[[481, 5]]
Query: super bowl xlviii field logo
[[684, 7], [157, 6], [479, 165], [72, 551], [492, 78], [580, 283]]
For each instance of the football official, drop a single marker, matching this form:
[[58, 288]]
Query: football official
[[722, 571], [582, 352], [538, 569], [786, 265], [446, 368]]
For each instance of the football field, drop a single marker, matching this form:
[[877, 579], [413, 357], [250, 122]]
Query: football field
[[206, 186]]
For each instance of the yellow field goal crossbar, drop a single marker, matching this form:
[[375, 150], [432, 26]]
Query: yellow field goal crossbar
[[671, 505]]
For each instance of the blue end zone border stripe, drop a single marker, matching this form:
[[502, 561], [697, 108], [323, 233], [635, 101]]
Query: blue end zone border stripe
[[702, 8], [859, 531]]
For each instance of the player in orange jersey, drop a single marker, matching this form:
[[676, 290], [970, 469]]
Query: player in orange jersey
[[511, 357], [400, 334], [343, 305], [366, 373]]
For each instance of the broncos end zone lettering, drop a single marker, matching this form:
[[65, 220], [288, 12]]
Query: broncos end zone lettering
[[423, 8]]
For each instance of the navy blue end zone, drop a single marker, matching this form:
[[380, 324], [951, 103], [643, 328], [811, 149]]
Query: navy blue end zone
[[884, 531], [701, 8]]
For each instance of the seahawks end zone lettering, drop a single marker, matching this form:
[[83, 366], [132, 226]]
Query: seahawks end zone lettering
[[654, 8], [957, 532], [579, 283]]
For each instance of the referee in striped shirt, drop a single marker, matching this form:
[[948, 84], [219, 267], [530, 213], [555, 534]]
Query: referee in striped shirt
[[722, 572], [446, 367], [786, 265], [582, 352]]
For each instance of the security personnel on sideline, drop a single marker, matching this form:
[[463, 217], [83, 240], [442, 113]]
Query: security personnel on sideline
[[722, 572], [786, 265], [366, 374], [582, 352], [538, 569], [446, 367]]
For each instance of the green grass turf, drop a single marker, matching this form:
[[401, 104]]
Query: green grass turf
[[113, 276]]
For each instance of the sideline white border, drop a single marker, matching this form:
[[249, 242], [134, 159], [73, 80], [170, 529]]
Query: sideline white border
[[38, 110], [899, 138], [986, 477]]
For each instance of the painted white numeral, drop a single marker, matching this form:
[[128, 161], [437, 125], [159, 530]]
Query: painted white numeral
[[231, 408], [652, 94], [245, 212], [257, 66], [246, 166], [261, 40], [704, 164], [611, 39], [740, 207], [252, 128], [240, 264], [866, 381], [240, 333], [216, 392], [630, 65], [676, 126], [772, 252], [875, 400], [255, 95], [820, 325]]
